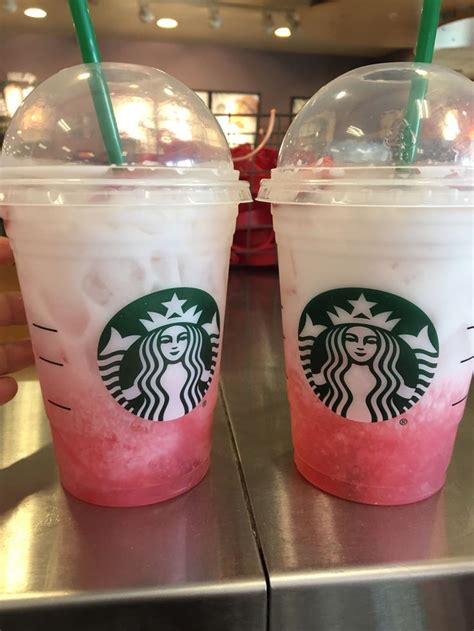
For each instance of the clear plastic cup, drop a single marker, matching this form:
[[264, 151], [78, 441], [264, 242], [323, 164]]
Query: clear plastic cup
[[375, 260], [124, 274]]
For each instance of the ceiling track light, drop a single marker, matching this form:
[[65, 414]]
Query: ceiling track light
[[145, 13], [35, 12], [282, 31], [268, 22], [293, 20], [10, 6], [215, 18], [167, 23]]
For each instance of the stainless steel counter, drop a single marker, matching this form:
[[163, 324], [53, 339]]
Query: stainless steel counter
[[334, 565], [202, 561], [190, 563]]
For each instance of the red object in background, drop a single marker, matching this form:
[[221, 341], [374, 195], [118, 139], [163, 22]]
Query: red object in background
[[254, 239]]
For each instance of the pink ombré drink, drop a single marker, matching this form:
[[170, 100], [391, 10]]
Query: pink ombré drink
[[124, 275], [374, 350], [376, 286]]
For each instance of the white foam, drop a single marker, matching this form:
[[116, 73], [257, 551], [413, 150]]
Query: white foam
[[78, 269]]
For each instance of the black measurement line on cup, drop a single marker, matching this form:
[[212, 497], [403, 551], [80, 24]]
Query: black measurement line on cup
[[470, 327], [58, 405], [468, 359], [45, 328], [50, 361], [460, 400]]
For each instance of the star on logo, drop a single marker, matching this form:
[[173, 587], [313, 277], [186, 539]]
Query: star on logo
[[362, 314], [362, 307], [175, 314], [174, 306]]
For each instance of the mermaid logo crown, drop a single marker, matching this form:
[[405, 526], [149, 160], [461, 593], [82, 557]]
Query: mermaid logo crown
[[175, 314], [362, 314]]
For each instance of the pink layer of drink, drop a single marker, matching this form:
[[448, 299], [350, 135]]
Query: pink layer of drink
[[99, 295], [399, 461], [108, 456]]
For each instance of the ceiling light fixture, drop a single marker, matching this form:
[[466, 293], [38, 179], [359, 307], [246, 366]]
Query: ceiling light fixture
[[145, 14], [215, 19], [35, 12], [293, 20], [267, 22], [282, 31], [167, 23]]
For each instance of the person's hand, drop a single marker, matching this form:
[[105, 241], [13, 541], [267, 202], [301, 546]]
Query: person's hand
[[13, 355]]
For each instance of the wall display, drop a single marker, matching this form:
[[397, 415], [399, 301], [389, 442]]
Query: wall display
[[204, 95], [297, 103], [13, 96], [14, 90], [237, 114]]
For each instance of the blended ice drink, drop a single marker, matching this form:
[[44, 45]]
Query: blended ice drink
[[124, 274], [375, 265]]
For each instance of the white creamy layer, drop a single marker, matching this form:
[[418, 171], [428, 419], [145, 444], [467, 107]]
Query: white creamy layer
[[421, 254], [78, 267]]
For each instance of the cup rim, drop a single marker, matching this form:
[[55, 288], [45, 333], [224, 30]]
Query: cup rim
[[148, 175]]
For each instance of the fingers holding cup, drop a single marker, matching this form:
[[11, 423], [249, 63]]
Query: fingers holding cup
[[6, 254], [8, 389], [15, 356], [12, 310]]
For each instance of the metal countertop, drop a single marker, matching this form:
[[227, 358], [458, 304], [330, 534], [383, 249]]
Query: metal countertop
[[189, 563], [334, 565], [194, 562]]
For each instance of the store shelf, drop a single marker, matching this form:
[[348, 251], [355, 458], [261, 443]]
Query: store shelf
[[334, 565], [190, 563]]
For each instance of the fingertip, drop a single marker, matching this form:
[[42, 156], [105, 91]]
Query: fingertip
[[6, 254], [8, 389], [15, 356], [27, 355]]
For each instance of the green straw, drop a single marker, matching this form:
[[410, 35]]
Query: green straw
[[97, 82], [423, 54]]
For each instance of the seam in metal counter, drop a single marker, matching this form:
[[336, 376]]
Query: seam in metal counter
[[335, 565]]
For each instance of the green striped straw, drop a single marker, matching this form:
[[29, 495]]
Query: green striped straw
[[423, 53], [97, 82]]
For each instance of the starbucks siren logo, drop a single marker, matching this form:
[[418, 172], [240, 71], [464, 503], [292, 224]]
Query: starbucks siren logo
[[367, 354], [157, 355]]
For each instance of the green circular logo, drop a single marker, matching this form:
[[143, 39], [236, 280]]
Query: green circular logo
[[157, 355], [368, 355]]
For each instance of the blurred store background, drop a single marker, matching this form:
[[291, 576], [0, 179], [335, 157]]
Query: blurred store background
[[254, 62]]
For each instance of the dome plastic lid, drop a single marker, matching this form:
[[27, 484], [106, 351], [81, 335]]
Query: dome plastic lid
[[360, 129], [168, 135]]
